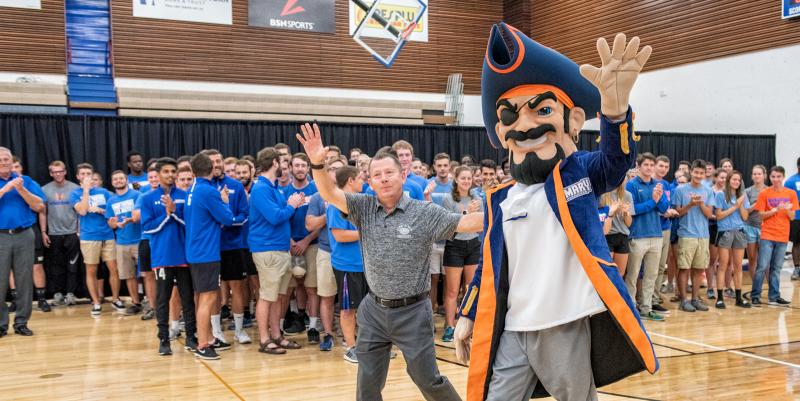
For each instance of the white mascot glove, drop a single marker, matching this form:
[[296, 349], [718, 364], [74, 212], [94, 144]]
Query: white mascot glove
[[463, 339]]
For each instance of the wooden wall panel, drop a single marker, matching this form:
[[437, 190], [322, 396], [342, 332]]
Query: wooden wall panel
[[517, 13], [680, 31], [161, 49], [33, 40]]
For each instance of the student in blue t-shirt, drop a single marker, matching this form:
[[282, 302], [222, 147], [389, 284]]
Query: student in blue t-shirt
[[128, 230], [443, 184], [347, 261], [694, 203], [137, 179], [326, 281], [97, 238], [405, 154], [731, 207], [304, 244]]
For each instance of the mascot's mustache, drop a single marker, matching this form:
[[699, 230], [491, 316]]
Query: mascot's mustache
[[532, 133], [532, 169]]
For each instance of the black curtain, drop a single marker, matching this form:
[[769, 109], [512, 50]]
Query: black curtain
[[105, 141]]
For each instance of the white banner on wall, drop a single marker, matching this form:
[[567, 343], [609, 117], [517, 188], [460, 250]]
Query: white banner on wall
[[394, 11], [34, 4], [211, 11]]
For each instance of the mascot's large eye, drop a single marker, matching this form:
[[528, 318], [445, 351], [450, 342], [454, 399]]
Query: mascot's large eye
[[508, 116], [545, 111]]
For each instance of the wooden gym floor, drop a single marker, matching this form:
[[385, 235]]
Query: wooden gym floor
[[731, 354]]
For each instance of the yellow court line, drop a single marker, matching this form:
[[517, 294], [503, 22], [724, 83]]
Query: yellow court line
[[221, 380]]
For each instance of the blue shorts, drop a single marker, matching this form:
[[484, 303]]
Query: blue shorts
[[753, 234]]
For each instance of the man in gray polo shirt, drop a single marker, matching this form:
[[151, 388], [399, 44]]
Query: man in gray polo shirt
[[396, 236]]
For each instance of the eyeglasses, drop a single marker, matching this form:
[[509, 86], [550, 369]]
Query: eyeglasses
[[58, 171]]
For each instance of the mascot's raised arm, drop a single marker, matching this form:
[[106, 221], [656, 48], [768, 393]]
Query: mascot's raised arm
[[547, 312]]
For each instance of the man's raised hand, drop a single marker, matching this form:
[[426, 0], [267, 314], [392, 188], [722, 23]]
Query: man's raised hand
[[312, 143], [615, 79]]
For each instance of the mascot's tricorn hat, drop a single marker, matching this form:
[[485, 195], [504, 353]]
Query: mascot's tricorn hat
[[528, 68]]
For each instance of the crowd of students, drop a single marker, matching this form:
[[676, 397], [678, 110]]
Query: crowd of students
[[692, 233], [207, 238]]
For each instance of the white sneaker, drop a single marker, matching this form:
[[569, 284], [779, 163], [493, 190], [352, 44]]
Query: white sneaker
[[220, 337], [243, 338], [174, 334], [70, 300], [96, 309], [58, 298]]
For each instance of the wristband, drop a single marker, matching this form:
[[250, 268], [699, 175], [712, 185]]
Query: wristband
[[317, 166]]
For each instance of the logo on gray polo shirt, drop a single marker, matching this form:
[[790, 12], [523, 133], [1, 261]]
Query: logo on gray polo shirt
[[404, 231]]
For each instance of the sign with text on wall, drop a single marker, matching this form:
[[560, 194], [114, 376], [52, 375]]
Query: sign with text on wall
[[34, 4], [790, 9], [210, 11], [397, 12], [295, 15]]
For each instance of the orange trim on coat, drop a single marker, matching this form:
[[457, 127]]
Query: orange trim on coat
[[602, 284], [520, 54], [484, 319]]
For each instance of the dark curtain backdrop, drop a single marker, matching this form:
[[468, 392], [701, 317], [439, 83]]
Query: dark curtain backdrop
[[104, 141]]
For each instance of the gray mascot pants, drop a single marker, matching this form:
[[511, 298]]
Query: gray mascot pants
[[559, 357]]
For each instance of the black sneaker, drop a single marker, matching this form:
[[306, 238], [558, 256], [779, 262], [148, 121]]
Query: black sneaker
[[225, 313], [720, 304], [134, 309], [190, 344], [742, 303], [313, 336], [44, 306], [12, 307], [755, 302], [305, 319], [658, 308], [164, 348], [220, 345], [293, 327], [23, 330], [289, 319], [207, 353], [118, 305], [779, 302]]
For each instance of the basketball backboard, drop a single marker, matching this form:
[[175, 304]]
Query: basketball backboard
[[382, 27]]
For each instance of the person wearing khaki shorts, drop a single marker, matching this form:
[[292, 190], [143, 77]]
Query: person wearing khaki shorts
[[269, 239], [127, 260], [694, 203]]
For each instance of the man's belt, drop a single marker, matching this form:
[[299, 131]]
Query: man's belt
[[13, 231], [397, 303]]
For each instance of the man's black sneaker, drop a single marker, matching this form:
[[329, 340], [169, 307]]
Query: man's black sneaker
[[225, 312], [164, 348], [220, 345], [755, 302], [207, 353], [191, 343], [133, 309], [289, 319], [44, 306], [23, 330], [305, 318], [658, 308], [313, 336], [293, 327], [779, 301], [12, 307]]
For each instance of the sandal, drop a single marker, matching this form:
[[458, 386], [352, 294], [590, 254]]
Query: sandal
[[287, 344], [276, 350]]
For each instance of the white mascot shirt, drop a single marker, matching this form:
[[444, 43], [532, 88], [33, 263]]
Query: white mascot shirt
[[548, 286]]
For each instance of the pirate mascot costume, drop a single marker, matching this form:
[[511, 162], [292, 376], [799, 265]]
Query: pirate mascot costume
[[547, 312]]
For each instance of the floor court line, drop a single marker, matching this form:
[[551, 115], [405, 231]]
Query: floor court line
[[740, 353], [219, 378]]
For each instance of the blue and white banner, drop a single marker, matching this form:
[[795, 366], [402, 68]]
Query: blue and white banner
[[790, 9], [210, 11], [34, 4]]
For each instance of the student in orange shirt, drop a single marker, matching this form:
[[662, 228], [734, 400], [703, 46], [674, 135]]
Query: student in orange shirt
[[778, 206]]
